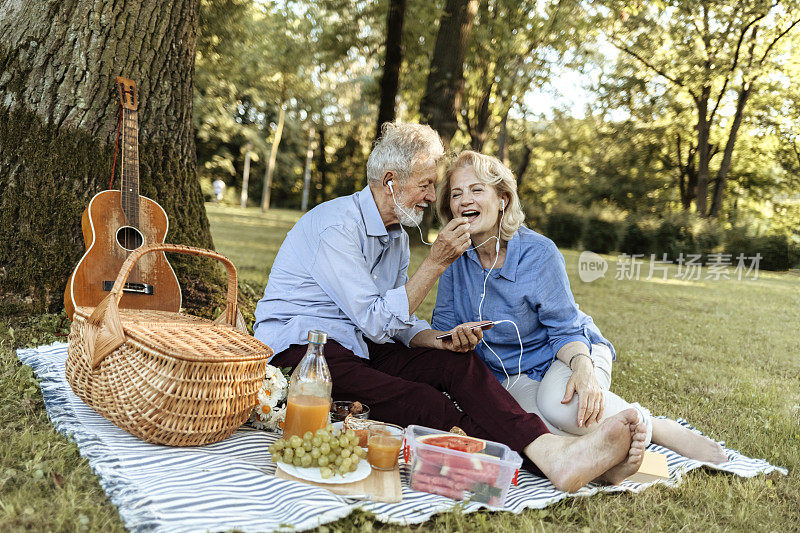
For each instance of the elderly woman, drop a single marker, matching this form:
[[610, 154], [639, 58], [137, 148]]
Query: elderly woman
[[547, 353]]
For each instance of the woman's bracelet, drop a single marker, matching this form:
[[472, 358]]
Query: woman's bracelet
[[576, 355]]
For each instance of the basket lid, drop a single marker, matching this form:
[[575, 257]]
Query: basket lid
[[190, 338]]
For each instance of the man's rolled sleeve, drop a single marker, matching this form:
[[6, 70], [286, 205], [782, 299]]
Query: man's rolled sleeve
[[397, 304], [406, 335]]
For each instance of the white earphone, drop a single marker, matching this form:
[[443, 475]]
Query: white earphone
[[483, 294], [391, 189]]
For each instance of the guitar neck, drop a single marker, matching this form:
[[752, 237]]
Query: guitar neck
[[129, 187]]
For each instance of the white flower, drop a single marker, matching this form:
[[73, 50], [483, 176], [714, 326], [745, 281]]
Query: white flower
[[271, 421], [267, 414]]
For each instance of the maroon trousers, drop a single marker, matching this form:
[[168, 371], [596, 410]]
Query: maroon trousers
[[404, 386]]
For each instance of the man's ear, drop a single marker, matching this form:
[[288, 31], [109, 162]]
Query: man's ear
[[389, 177]]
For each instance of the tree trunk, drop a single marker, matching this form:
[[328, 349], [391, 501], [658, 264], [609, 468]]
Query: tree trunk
[[307, 170], [322, 167], [444, 88], [58, 118], [273, 156], [390, 80], [445, 85], [703, 150], [687, 175], [527, 150], [727, 156], [245, 178], [502, 140], [480, 130]]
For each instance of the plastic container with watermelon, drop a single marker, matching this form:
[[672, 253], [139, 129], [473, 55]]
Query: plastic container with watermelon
[[461, 468]]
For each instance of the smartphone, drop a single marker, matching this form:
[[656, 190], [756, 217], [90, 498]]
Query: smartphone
[[482, 325]]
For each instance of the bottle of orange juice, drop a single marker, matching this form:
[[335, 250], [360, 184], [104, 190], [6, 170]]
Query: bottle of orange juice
[[308, 402]]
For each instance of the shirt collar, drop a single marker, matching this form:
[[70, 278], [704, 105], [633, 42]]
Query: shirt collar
[[510, 263], [372, 217]]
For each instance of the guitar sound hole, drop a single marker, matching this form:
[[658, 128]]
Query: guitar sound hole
[[129, 238]]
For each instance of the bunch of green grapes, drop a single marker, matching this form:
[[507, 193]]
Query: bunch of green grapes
[[333, 451]]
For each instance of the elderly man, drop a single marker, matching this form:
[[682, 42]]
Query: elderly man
[[343, 269]]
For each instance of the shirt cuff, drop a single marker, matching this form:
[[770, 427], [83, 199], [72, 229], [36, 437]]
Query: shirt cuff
[[563, 341], [397, 304], [406, 335]]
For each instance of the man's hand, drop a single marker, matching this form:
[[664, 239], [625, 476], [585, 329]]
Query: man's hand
[[590, 395], [452, 241], [462, 338]]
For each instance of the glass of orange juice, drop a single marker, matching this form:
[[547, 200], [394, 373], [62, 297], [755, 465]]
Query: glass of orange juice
[[383, 445]]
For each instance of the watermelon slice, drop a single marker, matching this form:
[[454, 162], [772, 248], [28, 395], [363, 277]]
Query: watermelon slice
[[451, 441]]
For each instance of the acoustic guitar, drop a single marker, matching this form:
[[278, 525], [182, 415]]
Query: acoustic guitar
[[117, 222]]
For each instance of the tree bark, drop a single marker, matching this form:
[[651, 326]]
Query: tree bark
[[390, 81], [502, 140], [445, 85], [482, 119], [527, 150], [687, 175], [703, 150], [727, 155], [322, 167], [307, 169], [245, 178], [58, 118], [273, 156], [444, 88]]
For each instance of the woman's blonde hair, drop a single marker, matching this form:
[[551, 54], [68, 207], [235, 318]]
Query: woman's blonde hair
[[491, 171]]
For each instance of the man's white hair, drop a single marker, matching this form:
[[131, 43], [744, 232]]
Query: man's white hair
[[400, 147]]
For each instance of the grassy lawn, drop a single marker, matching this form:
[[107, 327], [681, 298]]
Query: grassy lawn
[[721, 354]]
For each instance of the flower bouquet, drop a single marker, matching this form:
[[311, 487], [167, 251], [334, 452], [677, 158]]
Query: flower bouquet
[[270, 411]]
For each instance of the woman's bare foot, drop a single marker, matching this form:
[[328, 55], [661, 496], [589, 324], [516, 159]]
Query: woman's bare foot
[[672, 435], [619, 473], [572, 462]]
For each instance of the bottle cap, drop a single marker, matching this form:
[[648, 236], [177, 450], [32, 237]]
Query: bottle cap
[[317, 337]]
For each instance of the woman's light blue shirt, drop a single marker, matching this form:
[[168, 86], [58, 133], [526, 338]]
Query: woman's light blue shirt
[[532, 289]]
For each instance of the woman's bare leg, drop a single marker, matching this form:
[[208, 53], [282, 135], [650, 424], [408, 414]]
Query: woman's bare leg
[[676, 437], [572, 462]]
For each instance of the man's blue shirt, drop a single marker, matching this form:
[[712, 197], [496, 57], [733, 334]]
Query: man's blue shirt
[[532, 289], [340, 271]]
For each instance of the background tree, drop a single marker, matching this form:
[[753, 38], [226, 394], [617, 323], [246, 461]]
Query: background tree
[[514, 48], [390, 80], [714, 54], [444, 88], [58, 115]]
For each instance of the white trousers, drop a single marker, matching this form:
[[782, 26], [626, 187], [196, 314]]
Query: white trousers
[[544, 398]]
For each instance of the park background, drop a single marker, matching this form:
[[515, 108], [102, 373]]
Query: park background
[[632, 127]]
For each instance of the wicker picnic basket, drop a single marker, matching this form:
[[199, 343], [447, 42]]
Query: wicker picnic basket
[[168, 378]]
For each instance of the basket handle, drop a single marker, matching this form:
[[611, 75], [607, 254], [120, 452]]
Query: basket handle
[[230, 298], [105, 333]]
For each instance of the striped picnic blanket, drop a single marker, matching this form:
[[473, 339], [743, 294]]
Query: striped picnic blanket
[[230, 484]]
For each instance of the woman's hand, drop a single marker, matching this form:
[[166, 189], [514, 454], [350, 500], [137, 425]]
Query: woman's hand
[[463, 338], [590, 395]]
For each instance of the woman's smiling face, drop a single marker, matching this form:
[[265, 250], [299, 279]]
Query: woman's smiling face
[[474, 200]]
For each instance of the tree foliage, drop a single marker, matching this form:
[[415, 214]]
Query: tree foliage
[[692, 106]]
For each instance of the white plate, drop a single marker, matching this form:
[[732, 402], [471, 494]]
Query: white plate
[[313, 473]]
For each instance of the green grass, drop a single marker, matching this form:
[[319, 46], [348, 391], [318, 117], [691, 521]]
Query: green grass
[[722, 354]]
